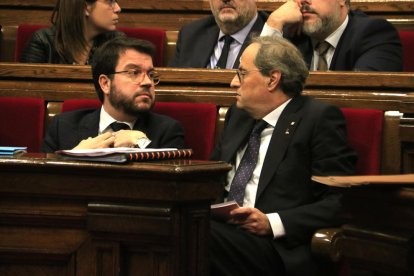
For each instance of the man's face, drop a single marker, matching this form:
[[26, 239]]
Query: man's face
[[236, 12], [132, 93], [252, 85], [322, 17]]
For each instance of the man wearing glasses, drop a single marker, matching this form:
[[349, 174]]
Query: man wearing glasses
[[124, 80], [276, 139]]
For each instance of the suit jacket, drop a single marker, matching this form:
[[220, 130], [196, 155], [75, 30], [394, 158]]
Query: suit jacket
[[69, 128], [41, 47], [196, 42], [367, 44], [309, 139]]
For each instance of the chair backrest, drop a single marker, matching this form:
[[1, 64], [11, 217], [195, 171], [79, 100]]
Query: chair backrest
[[197, 119], [155, 36], [364, 127], [74, 104], [23, 35], [22, 122], [407, 41]]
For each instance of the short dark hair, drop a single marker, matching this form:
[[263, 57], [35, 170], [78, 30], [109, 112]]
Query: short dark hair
[[105, 58], [276, 53]]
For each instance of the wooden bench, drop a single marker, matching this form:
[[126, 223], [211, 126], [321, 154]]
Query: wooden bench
[[393, 93], [170, 15]]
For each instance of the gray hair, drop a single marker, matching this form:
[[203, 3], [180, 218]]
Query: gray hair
[[276, 53]]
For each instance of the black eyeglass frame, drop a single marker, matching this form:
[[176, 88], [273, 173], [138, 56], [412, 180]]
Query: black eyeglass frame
[[154, 76]]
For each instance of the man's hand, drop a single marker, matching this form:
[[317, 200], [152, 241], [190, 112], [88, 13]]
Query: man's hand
[[251, 220], [127, 138], [101, 141], [287, 14]]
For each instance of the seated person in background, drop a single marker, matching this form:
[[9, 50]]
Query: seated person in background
[[356, 42], [79, 27], [124, 80], [276, 139], [201, 43]]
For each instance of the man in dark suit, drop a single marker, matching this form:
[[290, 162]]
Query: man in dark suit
[[124, 80], [200, 43], [356, 42], [281, 206]]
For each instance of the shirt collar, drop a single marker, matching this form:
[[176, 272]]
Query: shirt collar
[[105, 121], [241, 35], [273, 116], [334, 37]]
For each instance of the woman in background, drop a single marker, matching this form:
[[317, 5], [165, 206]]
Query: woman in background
[[78, 28]]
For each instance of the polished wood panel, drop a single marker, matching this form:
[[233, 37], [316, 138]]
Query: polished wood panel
[[62, 217]]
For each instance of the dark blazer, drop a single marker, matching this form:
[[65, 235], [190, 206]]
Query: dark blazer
[[196, 42], [69, 128], [309, 139], [41, 47], [367, 44]]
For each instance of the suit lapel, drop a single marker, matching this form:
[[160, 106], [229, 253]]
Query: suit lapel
[[257, 28], [89, 125], [339, 59], [279, 143], [208, 41], [239, 134]]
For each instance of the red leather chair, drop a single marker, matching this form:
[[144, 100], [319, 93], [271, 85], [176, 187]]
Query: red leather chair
[[22, 122], [155, 36], [407, 41], [197, 119], [364, 127]]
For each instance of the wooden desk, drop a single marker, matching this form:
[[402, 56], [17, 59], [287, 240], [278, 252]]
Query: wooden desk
[[79, 218]]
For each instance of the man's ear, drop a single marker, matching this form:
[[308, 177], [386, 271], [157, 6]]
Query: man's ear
[[105, 84], [274, 80]]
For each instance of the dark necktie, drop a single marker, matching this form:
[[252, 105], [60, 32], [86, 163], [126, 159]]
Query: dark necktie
[[247, 164], [322, 48], [118, 126], [222, 62]]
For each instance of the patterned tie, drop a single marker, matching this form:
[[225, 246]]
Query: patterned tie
[[222, 62], [322, 48], [247, 164], [116, 126]]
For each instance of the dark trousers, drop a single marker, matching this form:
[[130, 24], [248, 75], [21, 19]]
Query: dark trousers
[[236, 252]]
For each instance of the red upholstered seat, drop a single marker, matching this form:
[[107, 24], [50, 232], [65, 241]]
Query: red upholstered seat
[[364, 127], [22, 122], [407, 40], [155, 36], [197, 119], [23, 35], [74, 104]]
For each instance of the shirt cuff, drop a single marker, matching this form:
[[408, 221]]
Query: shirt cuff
[[269, 31], [276, 224], [142, 143]]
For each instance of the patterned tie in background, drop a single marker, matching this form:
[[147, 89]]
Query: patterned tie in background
[[247, 164], [322, 48], [222, 62], [118, 126]]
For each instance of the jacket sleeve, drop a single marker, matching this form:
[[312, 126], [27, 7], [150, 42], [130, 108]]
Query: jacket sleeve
[[36, 50]]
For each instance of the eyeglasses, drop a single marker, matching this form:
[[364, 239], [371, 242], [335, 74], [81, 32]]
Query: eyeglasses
[[137, 76], [242, 73]]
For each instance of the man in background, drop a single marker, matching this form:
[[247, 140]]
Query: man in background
[[218, 40], [331, 36]]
